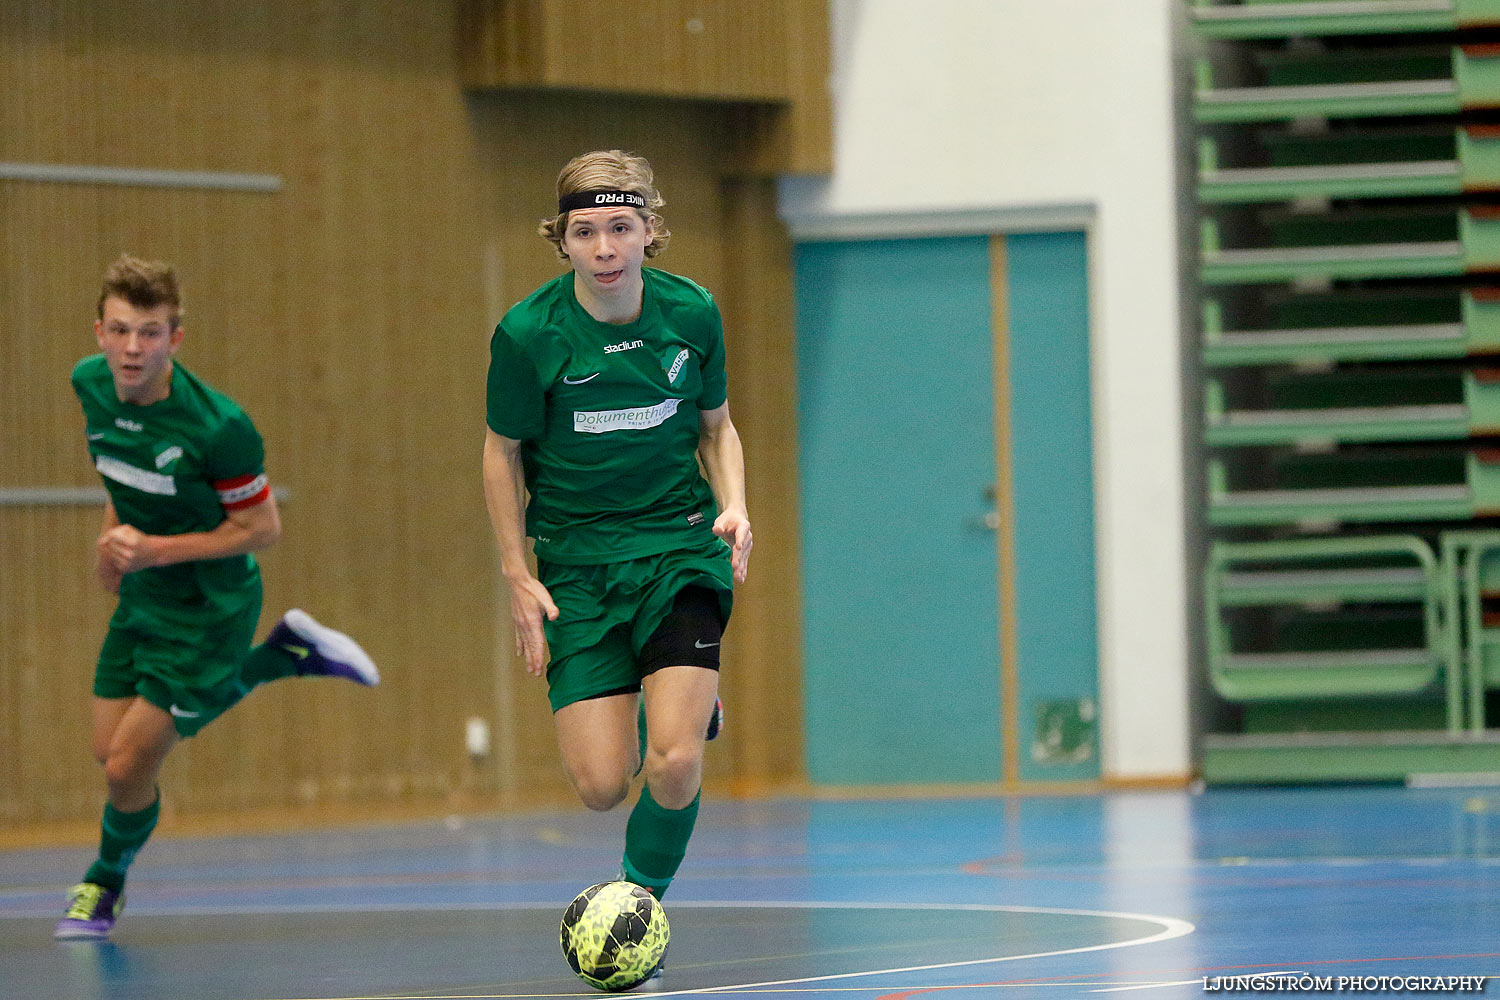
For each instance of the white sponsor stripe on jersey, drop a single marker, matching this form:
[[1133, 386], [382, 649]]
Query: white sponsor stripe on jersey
[[146, 482], [635, 419]]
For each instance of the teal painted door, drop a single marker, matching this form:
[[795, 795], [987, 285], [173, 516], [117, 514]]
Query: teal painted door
[[897, 449], [898, 465]]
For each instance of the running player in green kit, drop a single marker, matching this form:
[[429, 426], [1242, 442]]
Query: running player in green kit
[[188, 502], [606, 389]]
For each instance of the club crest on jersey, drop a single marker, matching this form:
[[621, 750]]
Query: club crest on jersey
[[675, 367]]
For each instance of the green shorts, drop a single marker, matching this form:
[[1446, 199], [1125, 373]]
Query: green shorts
[[190, 671], [607, 611]]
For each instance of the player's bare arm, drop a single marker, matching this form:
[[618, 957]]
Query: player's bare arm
[[529, 600], [104, 566], [724, 462], [245, 529]]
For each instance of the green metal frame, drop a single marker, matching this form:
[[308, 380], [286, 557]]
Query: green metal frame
[[1475, 166], [1433, 502], [1473, 82], [1478, 161], [1217, 185], [1440, 579], [1469, 643], [1479, 333], [1323, 757], [1341, 100], [1478, 248], [1289, 20], [1478, 414], [1346, 578]]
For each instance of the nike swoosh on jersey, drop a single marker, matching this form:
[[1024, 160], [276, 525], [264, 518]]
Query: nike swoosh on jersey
[[183, 713], [570, 380], [700, 644]]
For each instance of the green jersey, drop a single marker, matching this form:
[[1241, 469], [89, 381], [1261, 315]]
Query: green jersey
[[171, 468], [608, 418]]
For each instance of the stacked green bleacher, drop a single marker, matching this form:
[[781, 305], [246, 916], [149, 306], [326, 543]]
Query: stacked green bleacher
[[1349, 182]]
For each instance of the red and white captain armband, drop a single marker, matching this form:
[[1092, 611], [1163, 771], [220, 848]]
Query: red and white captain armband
[[243, 491]]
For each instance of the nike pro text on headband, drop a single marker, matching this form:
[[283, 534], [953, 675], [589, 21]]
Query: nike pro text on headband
[[599, 199]]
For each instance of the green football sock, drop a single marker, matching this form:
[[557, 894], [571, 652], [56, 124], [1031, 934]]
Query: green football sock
[[656, 841], [267, 663], [121, 836]]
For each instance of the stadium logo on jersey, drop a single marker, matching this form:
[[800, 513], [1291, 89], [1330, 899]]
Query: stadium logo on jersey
[[129, 425], [146, 482], [637, 418], [168, 456], [624, 345], [674, 370]]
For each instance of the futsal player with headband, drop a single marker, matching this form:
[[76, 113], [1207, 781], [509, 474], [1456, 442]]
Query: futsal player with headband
[[606, 388]]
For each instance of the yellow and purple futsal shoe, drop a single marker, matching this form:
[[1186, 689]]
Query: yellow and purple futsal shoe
[[91, 913], [322, 651]]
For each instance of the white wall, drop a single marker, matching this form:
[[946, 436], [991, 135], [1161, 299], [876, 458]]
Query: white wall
[[1015, 108]]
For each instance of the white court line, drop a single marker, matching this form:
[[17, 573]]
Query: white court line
[[1172, 927], [1148, 986]]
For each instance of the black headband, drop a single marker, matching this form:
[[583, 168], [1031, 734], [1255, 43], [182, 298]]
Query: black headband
[[599, 199]]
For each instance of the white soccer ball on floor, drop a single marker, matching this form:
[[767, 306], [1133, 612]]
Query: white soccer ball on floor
[[614, 935]]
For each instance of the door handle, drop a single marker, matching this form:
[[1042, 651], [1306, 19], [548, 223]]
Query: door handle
[[988, 521]]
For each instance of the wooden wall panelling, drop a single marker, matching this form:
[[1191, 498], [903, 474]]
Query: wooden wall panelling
[[795, 137], [718, 49], [768, 64], [345, 313], [349, 313], [501, 43], [48, 641], [760, 338]]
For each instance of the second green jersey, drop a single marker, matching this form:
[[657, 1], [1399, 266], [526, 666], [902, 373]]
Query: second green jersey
[[171, 468], [608, 418]]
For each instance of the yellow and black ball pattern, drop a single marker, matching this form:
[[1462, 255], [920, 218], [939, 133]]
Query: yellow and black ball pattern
[[614, 935]]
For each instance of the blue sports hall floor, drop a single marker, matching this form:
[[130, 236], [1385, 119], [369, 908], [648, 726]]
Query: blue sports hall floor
[[1154, 894]]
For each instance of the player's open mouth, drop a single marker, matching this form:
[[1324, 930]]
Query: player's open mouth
[[608, 277]]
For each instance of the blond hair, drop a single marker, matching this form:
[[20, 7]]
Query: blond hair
[[608, 170], [145, 284]]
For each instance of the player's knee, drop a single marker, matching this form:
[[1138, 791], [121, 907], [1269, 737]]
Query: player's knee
[[601, 791], [124, 771], [674, 766], [602, 799]]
